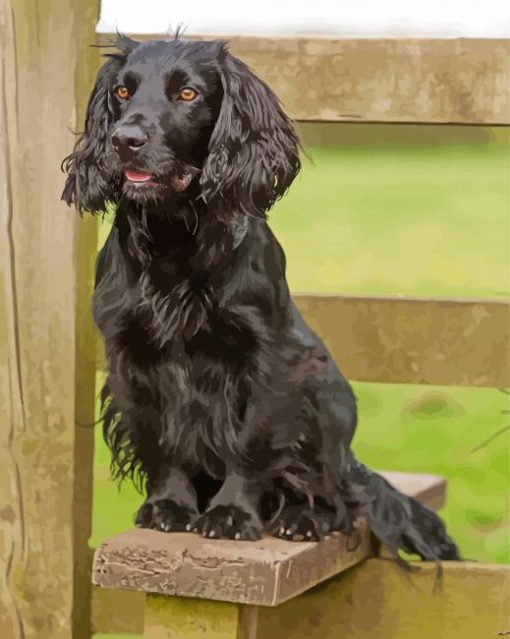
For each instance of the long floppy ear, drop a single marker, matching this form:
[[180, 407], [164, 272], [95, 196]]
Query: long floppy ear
[[254, 151], [89, 185]]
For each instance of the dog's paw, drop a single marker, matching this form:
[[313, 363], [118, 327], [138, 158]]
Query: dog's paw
[[165, 515], [300, 523], [229, 522]]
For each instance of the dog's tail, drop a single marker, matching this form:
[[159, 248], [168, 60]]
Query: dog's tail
[[398, 521]]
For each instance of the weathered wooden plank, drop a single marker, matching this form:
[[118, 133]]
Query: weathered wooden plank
[[472, 600], [413, 341], [264, 573], [440, 80], [379, 599], [42, 271], [417, 341], [87, 64], [122, 611]]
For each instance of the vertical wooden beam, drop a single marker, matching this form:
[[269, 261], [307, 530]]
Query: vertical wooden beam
[[181, 618], [46, 373], [87, 64]]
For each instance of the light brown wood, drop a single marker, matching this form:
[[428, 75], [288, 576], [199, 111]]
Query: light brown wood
[[122, 611], [86, 67], [417, 341], [378, 599], [264, 573], [43, 269], [183, 564], [385, 80], [453, 80], [176, 618], [414, 341], [429, 489], [471, 600], [117, 611]]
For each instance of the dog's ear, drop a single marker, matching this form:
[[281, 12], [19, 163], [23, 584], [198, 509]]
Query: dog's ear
[[89, 185], [254, 151]]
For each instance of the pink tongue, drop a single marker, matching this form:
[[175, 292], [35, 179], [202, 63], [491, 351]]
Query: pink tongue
[[133, 176]]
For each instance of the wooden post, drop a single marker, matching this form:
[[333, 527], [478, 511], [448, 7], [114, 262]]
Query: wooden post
[[175, 618], [46, 371]]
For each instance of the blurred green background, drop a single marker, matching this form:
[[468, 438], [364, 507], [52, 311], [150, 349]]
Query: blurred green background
[[417, 210]]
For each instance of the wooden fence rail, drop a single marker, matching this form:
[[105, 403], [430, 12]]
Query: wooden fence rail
[[416, 341], [442, 81], [410, 340]]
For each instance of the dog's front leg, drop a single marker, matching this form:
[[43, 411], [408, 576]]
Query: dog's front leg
[[171, 503], [234, 511]]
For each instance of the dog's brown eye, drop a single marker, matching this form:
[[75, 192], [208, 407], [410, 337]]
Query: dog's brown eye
[[122, 92], [187, 94]]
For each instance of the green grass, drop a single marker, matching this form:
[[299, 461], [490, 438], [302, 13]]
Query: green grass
[[419, 220], [402, 211]]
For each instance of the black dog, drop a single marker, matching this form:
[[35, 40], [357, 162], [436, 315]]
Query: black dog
[[219, 397]]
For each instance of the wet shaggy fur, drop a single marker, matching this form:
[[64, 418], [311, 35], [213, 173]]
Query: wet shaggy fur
[[219, 398]]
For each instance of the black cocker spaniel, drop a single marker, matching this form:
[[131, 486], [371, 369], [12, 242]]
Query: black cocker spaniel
[[219, 397]]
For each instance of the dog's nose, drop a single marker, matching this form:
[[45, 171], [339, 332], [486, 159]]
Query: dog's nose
[[129, 137]]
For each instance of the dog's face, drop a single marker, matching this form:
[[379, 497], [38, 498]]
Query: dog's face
[[166, 99], [177, 118]]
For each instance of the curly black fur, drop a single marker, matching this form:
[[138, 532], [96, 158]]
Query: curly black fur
[[220, 400]]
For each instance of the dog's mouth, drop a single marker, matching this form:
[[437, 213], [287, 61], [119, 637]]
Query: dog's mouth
[[139, 179]]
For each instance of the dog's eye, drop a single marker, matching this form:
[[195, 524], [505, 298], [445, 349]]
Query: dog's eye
[[187, 94], [122, 92]]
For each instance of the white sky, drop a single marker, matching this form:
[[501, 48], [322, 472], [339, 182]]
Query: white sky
[[343, 18]]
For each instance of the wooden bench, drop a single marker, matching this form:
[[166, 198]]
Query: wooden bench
[[273, 588]]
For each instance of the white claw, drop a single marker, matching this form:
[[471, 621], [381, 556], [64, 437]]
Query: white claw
[[237, 536], [188, 527]]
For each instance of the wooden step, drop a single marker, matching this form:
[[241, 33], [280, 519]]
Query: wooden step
[[266, 572]]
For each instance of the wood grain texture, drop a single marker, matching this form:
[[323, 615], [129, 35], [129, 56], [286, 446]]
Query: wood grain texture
[[378, 599], [471, 601], [410, 341], [87, 65], [453, 80], [259, 573], [416, 341], [42, 272], [264, 573]]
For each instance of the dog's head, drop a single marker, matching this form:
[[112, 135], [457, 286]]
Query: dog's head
[[177, 118]]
